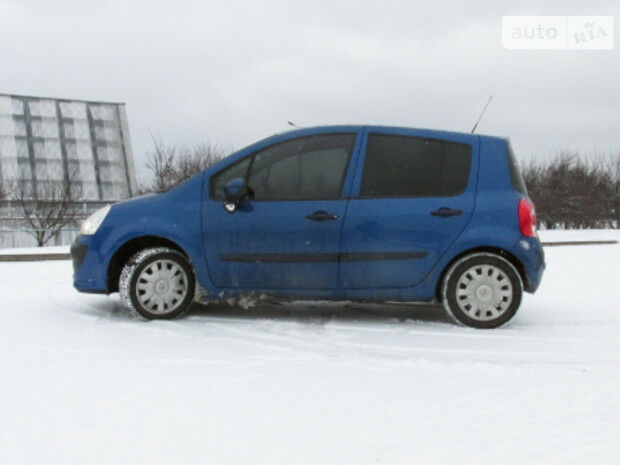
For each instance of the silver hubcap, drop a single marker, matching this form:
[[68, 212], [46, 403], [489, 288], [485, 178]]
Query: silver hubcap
[[161, 286], [484, 292]]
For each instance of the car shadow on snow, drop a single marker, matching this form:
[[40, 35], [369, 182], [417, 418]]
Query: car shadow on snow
[[311, 312], [322, 311]]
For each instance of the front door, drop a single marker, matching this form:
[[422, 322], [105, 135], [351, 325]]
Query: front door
[[411, 198], [287, 234]]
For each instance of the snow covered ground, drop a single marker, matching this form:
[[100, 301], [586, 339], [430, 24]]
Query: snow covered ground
[[555, 235], [36, 250], [81, 382]]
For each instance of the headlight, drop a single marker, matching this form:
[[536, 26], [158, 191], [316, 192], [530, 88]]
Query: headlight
[[93, 222]]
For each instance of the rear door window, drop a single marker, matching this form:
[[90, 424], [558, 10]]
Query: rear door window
[[403, 166]]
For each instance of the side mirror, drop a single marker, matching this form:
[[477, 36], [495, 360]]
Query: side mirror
[[235, 191]]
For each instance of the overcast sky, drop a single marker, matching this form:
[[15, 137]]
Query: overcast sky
[[233, 71]]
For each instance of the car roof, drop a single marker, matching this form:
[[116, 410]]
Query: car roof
[[434, 133], [464, 137]]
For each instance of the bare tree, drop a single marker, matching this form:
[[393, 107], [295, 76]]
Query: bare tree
[[49, 207], [193, 160], [614, 169], [3, 190], [170, 165], [160, 162]]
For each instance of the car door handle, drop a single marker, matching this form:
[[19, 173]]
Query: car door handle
[[445, 211], [321, 216]]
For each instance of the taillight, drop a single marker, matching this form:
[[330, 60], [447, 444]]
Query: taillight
[[527, 218]]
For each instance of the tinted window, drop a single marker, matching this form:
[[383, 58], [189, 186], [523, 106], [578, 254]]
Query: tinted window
[[400, 166], [302, 169], [516, 176]]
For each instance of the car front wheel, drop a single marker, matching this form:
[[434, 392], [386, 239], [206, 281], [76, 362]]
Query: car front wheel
[[482, 290], [157, 283]]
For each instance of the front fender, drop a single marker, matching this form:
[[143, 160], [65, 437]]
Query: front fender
[[174, 216]]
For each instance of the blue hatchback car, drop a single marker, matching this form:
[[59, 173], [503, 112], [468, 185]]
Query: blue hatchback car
[[367, 213]]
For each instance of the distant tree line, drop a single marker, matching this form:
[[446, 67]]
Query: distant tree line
[[574, 192]]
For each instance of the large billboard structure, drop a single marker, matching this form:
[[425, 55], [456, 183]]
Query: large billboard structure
[[47, 141], [44, 139]]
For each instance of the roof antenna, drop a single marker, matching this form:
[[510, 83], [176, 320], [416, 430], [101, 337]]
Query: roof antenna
[[481, 114], [290, 123]]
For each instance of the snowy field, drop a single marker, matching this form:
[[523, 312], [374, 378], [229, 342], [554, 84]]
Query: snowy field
[[35, 250], [81, 382]]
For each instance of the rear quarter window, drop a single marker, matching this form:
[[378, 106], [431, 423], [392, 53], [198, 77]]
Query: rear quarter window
[[516, 176]]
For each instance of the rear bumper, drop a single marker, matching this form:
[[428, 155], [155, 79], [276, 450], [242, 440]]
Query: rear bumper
[[531, 254]]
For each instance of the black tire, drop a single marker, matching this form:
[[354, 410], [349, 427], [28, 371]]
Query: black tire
[[133, 269], [458, 275]]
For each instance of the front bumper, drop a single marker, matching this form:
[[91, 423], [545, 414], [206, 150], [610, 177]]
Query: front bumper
[[78, 254], [87, 268]]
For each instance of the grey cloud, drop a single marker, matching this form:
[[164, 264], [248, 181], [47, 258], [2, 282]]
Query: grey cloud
[[237, 71]]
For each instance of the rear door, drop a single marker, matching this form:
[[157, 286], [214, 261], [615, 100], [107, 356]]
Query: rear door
[[413, 194], [287, 237]]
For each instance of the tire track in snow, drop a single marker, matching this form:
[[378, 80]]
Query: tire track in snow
[[343, 347], [335, 337]]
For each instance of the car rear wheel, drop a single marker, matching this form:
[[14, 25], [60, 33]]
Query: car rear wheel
[[482, 290], [157, 283]]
